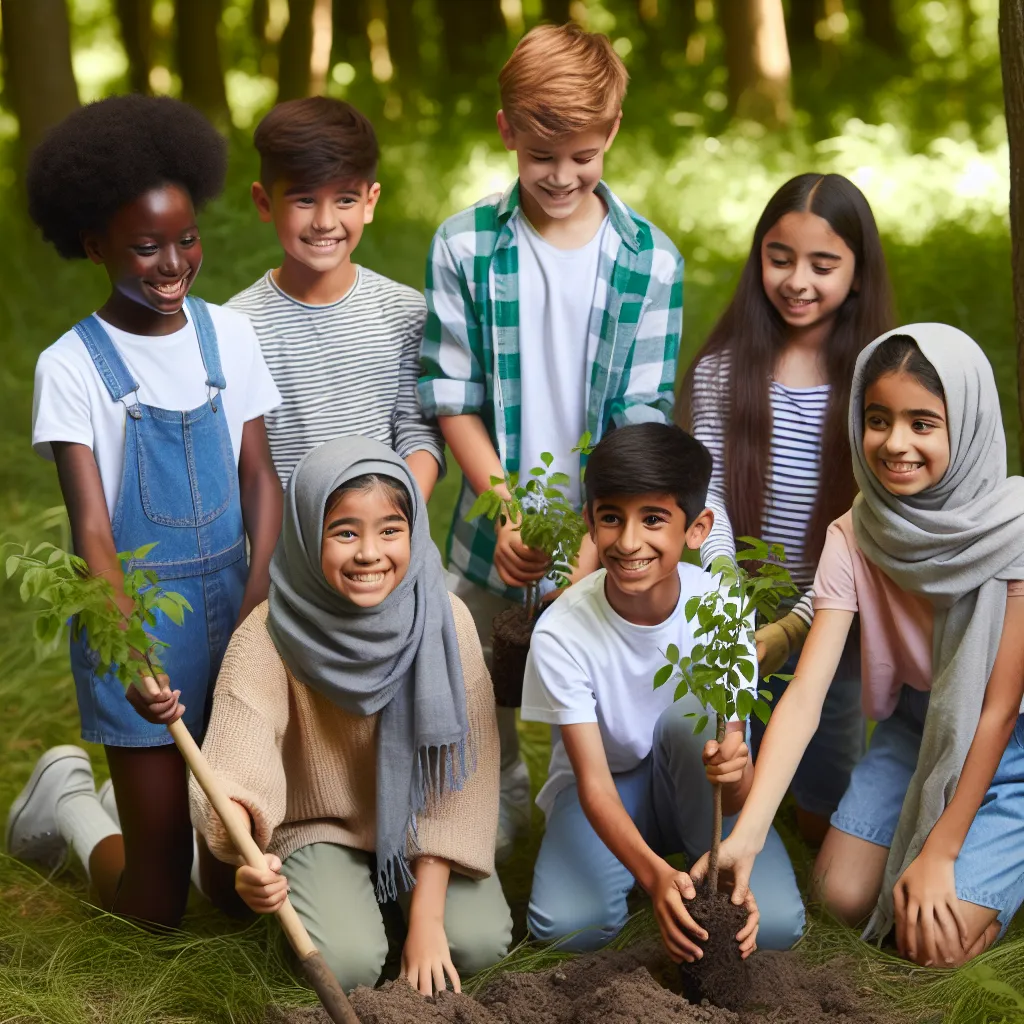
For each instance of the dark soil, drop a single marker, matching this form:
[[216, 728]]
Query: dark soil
[[510, 644], [635, 986], [720, 976]]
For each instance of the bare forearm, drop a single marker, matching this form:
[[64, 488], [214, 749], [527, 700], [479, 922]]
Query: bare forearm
[[261, 515], [425, 471], [474, 451], [431, 889], [617, 831]]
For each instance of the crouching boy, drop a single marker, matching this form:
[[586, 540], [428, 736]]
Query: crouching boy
[[626, 784]]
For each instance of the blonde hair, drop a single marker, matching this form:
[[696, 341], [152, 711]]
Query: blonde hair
[[560, 80]]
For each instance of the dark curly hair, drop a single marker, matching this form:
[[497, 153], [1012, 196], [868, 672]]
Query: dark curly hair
[[109, 153]]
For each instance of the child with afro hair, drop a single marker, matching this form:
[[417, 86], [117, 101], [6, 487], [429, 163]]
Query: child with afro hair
[[152, 409]]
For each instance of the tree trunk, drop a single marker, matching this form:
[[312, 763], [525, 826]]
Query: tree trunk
[[198, 56], [880, 26], [671, 25], [350, 19], [757, 58], [1011, 45], [555, 11], [804, 16], [403, 41], [467, 28], [37, 57], [716, 820], [259, 18], [136, 20], [296, 51]]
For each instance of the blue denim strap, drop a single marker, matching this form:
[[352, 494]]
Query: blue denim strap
[[207, 342], [109, 365]]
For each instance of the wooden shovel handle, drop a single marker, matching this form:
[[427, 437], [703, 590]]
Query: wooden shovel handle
[[322, 979]]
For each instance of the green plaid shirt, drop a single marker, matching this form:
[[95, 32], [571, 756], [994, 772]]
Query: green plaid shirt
[[470, 354]]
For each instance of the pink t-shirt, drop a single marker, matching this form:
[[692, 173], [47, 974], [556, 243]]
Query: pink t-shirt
[[895, 625]]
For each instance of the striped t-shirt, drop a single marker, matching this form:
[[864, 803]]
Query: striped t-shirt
[[798, 419], [350, 367]]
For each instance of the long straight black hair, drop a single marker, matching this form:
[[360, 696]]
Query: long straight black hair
[[753, 334]]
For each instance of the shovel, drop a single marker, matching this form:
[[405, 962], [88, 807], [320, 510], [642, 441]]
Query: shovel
[[331, 994]]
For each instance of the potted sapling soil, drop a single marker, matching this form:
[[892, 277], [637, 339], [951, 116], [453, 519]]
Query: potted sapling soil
[[549, 521], [721, 672], [62, 589]]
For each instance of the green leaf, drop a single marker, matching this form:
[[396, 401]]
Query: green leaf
[[140, 553], [701, 723], [663, 675], [547, 458], [744, 703], [765, 694], [747, 668], [559, 480], [672, 654], [763, 711], [537, 471]]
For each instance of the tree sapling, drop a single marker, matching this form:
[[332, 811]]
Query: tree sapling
[[720, 671], [548, 521]]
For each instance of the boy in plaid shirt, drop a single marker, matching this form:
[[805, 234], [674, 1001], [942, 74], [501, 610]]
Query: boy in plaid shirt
[[553, 309]]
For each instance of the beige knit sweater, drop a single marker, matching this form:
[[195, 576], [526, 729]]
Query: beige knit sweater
[[306, 770]]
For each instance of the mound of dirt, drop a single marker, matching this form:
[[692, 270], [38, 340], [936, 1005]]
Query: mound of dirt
[[621, 987]]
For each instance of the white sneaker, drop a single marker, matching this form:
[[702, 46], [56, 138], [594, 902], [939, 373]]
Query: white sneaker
[[105, 795], [513, 810], [32, 832]]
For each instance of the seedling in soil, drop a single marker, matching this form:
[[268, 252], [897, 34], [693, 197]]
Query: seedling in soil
[[548, 521], [720, 672], [62, 587]]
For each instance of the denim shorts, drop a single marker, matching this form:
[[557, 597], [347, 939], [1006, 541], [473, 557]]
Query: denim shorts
[[990, 868]]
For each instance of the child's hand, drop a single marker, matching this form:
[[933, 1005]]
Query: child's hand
[[154, 700], [930, 930], [517, 564], [262, 891], [670, 889], [426, 958], [725, 762]]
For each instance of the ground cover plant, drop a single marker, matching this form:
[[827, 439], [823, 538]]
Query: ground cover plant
[[538, 506], [922, 135]]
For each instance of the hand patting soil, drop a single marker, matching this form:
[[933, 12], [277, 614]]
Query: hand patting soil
[[510, 644], [720, 976], [620, 987]]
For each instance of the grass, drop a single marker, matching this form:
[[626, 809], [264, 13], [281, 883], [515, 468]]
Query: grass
[[62, 960]]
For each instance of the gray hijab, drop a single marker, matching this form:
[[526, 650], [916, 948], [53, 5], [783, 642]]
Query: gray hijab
[[957, 543], [400, 658]]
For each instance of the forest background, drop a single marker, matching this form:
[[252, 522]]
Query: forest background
[[727, 99]]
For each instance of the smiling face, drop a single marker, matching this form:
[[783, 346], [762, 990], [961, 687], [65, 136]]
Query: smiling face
[[151, 250], [366, 546], [557, 176], [640, 539], [318, 228], [807, 270], [906, 441]]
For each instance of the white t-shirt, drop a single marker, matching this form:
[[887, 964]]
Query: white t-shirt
[[588, 664], [71, 403], [556, 347]]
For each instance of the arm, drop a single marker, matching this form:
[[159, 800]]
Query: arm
[[792, 724], [426, 958], [262, 502], [603, 807], [647, 390], [925, 895], [416, 439]]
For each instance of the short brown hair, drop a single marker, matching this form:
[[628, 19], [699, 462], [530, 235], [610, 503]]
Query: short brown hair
[[561, 80], [315, 140]]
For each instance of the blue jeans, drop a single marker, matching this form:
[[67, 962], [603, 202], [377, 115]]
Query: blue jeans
[[823, 775], [579, 885], [990, 868]]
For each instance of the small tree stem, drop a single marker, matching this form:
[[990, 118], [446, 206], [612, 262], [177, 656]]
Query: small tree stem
[[716, 822], [531, 601]]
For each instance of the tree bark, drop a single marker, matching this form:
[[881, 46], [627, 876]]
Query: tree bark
[[1011, 45], [198, 56], [37, 57], [136, 20], [757, 58], [804, 16], [880, 26], [716, 816]]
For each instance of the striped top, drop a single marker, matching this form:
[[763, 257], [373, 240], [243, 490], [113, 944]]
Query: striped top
[[350, 367], [798, 420]]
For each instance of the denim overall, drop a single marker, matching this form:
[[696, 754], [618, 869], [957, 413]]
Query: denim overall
[[179, 489]]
